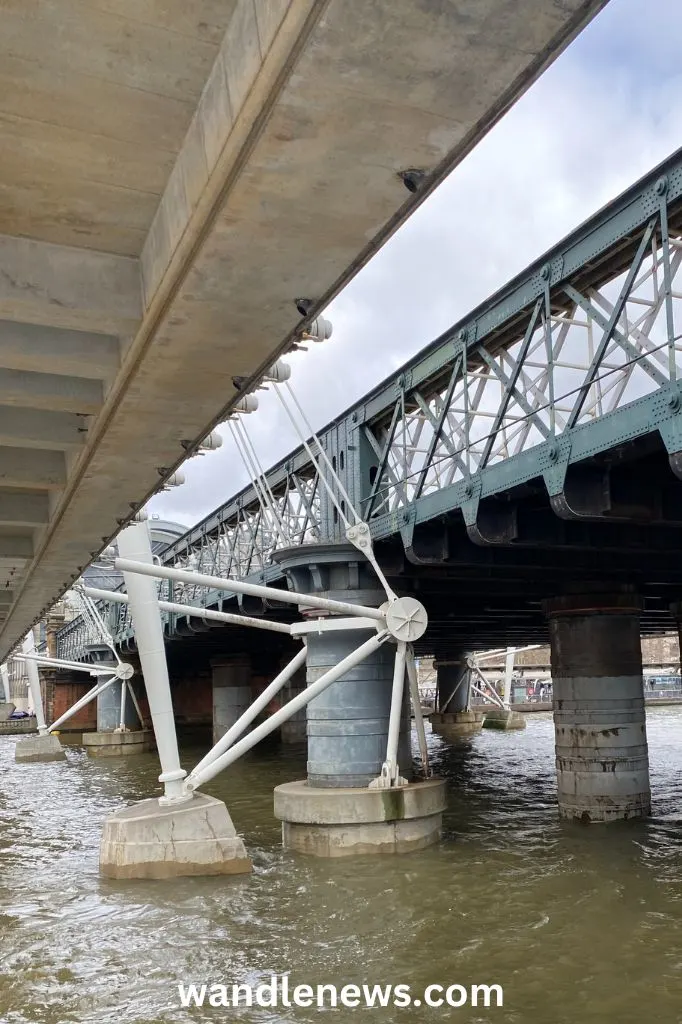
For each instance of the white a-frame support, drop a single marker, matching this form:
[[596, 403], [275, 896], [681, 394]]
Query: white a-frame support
[[401, 620]]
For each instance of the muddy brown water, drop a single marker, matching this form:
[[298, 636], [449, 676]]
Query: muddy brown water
[[578, 924]]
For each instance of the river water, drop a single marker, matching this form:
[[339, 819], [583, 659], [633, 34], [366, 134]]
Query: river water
[[577, 924]]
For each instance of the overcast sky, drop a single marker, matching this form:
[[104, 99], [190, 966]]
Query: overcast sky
[[604, 114]]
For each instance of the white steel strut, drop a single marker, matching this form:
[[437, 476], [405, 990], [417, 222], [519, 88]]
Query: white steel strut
[[401, 620]]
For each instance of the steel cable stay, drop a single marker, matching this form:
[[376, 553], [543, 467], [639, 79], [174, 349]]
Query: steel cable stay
[[358, 532]]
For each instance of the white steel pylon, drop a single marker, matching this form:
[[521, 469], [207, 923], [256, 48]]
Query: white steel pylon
[[402, 620]]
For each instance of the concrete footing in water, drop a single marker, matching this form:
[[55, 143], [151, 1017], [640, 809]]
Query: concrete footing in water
[[456, 725], [503, 718], [39, 748], [118, 743], [345, 822], [148, 840]]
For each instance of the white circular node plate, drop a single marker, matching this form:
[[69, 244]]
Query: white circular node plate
[[125, 671], [406, 619]]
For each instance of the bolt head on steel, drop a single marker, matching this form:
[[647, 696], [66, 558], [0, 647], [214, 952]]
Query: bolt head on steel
[[406, 619]]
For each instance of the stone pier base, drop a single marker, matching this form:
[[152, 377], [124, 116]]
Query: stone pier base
[[118, 744], [501, 718], [39, 748], [456, 725], [345, 822], [151, 841]]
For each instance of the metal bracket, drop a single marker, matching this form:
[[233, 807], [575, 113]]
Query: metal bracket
[[472, 499], [558, 456]]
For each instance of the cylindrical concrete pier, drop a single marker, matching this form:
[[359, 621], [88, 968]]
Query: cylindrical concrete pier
[[109, 709], [231, 692], [333, 812], [348, 723], [110, 740], [449, 672], [453, 720], [601, 748]]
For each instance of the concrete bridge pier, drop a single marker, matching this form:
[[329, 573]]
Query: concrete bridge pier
[[454, 719], [44, 746], [295, 729], [334, 812], [601, 747], [116, 735], [180, 833], [231, 691]]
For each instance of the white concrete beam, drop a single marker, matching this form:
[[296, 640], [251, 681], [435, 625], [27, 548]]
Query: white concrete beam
[[35, 470], [23, 508], [40, 428], [66, 287], [56, 350], [50, 391]]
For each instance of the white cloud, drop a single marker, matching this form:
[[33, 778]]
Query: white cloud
[[602, 116]]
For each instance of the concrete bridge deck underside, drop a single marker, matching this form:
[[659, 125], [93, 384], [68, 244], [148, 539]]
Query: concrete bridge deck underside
[[172, 179]]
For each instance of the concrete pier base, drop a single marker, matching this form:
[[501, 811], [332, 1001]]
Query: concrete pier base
[[151, 841], [599, 718], [118, 744], [502, 718], [456, 725], [349, 822], [39, 748]]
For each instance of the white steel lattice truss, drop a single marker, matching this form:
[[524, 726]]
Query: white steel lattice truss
[[564, 367], [245, 545]]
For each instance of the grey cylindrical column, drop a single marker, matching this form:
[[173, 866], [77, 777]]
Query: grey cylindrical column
[[448, 673], [109, 709], [109, 701], [601, 748], [347, 725], [231, 692]]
